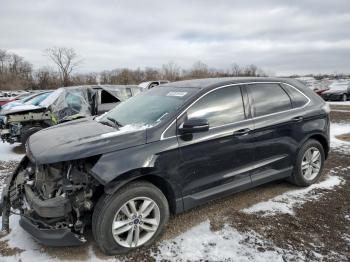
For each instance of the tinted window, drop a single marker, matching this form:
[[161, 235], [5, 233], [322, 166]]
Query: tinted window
[[222, 106], [268, 99], [107, 98], [298, 98]]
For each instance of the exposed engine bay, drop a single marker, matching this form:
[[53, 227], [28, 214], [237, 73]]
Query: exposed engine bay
[[53, 197]]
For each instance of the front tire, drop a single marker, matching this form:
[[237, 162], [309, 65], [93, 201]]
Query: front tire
[[134, 216], [309, 164], [27, 132]]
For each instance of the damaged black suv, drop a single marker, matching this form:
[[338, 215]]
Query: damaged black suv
[[165, 151]]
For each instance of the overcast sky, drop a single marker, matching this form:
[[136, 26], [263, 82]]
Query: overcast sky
[[284, 37]]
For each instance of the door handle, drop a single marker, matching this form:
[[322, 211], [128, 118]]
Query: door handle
[[297, 119], [242, 132]]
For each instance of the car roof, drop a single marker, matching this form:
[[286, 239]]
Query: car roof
[[208, 83]]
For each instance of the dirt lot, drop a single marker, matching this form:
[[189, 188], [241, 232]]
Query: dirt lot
[[317, 228]]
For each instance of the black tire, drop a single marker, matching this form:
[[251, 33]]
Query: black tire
[[297, 177], [344, 98], [27, 132], [108, 206]]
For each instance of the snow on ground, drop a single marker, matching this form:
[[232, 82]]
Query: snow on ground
[[337, 144], [7, 152], [32, 251], [287, 201], [201, 244], [339, 103]]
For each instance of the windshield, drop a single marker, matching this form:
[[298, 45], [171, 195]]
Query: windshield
[[38, 99], [149, 108]]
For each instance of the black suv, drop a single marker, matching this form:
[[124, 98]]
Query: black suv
[[165, 151]]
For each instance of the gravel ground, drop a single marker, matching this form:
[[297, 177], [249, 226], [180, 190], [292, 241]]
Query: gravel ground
[[319, 229]]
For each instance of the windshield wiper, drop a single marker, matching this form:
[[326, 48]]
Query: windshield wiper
[[107, 123], [117, 124]]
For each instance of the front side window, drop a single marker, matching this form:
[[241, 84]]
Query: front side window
[[268, 99], [220, 107]]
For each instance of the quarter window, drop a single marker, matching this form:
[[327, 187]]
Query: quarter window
[[298, 98], [268, 99], [220, 107]]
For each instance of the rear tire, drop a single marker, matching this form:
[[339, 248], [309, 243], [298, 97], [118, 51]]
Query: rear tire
[[309, 164], [344, 98], [114, 223]]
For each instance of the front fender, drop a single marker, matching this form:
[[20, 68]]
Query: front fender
[[111, 165]]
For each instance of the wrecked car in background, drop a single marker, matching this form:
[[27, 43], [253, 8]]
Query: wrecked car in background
[[64, 104], [150, 84]]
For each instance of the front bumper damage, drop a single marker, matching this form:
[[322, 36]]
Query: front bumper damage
[[11, 134], [56, 219], [51, 237]]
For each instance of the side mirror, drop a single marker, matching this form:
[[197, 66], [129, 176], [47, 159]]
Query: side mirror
[[194, 125]]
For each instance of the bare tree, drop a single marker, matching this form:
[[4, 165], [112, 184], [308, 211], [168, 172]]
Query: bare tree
[[171, 71], [3, 59], [199, 70], [66, 59], [151, 74], [236, 69]]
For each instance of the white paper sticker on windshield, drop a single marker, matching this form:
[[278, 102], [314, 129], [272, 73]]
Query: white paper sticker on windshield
[[176, 94]]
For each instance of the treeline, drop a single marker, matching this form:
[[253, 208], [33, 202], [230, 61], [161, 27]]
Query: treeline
[[17, 73]]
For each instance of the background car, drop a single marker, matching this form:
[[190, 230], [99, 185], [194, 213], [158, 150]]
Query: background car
[[7, 97], [151, 84], [338, 91], [62, 105]]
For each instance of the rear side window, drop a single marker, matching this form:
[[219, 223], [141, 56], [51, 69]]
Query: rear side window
[[107, 98], [268, 99], [298, 99], [220, 107]]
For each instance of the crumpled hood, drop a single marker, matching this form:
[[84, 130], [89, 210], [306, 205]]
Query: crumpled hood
[[21, 109], [80, 139]]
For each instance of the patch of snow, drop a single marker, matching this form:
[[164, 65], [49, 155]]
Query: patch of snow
[[3, 178], [33, 251], [284, 203], [341, 103], [342, 111], [7, 152], [346, 237], [338, 145], [201, 244]]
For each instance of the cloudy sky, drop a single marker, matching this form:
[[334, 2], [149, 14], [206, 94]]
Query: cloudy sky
[[283, 37]]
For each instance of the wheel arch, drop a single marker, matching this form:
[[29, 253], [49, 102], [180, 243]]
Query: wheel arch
[[147, 174], [320, 138]]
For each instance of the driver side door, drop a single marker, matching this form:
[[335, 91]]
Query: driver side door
[[216, 162]]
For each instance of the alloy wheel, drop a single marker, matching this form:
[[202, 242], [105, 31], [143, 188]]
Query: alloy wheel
[[136, 222], [311, 163]]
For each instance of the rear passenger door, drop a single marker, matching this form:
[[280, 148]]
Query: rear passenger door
[[274, 139]]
